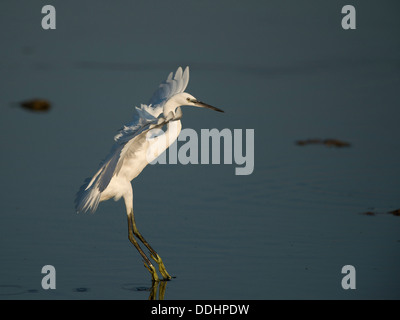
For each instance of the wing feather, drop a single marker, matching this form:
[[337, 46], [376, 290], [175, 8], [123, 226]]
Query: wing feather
[[125, 146], [147, 117], [173, 85]]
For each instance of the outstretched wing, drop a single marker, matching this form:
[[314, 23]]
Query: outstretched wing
[[126, 143], [147, 117], [173, 85]]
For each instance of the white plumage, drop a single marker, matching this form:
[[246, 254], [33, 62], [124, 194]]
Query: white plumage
[[129, 145], [136, 145]]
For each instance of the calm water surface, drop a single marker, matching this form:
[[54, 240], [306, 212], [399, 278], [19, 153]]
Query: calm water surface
[[290, 72]]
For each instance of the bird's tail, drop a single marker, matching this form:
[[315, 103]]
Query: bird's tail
[[88, 197]]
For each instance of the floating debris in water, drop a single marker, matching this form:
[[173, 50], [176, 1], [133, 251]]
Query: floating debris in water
[[372, 213], [395, 212], [369, 213], [82, 289], [336, 143], [36, 105], [327, 142]]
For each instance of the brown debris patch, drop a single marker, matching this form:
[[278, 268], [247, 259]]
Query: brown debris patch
[[395, 212], [328, 142], [36, 105]]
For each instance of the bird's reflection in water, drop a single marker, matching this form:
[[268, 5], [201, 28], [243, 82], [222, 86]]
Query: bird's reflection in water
[[161, 286], [157, 289]]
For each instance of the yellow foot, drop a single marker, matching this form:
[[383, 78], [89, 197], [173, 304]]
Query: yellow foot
[[153, 272], [161, 267]]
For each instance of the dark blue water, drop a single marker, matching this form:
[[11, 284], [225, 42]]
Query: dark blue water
[[285, 69]]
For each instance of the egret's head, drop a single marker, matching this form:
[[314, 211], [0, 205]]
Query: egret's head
[[186, 99], [192, 101]]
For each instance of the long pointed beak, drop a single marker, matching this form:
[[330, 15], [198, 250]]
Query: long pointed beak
[[205, 105]]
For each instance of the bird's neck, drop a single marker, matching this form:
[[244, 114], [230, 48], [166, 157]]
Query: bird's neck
[[170, 106], [173, 130]]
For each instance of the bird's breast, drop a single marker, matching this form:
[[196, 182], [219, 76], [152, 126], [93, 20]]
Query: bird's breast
[[157, 141]]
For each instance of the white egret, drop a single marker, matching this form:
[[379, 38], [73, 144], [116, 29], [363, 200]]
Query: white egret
[[129, 156]]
